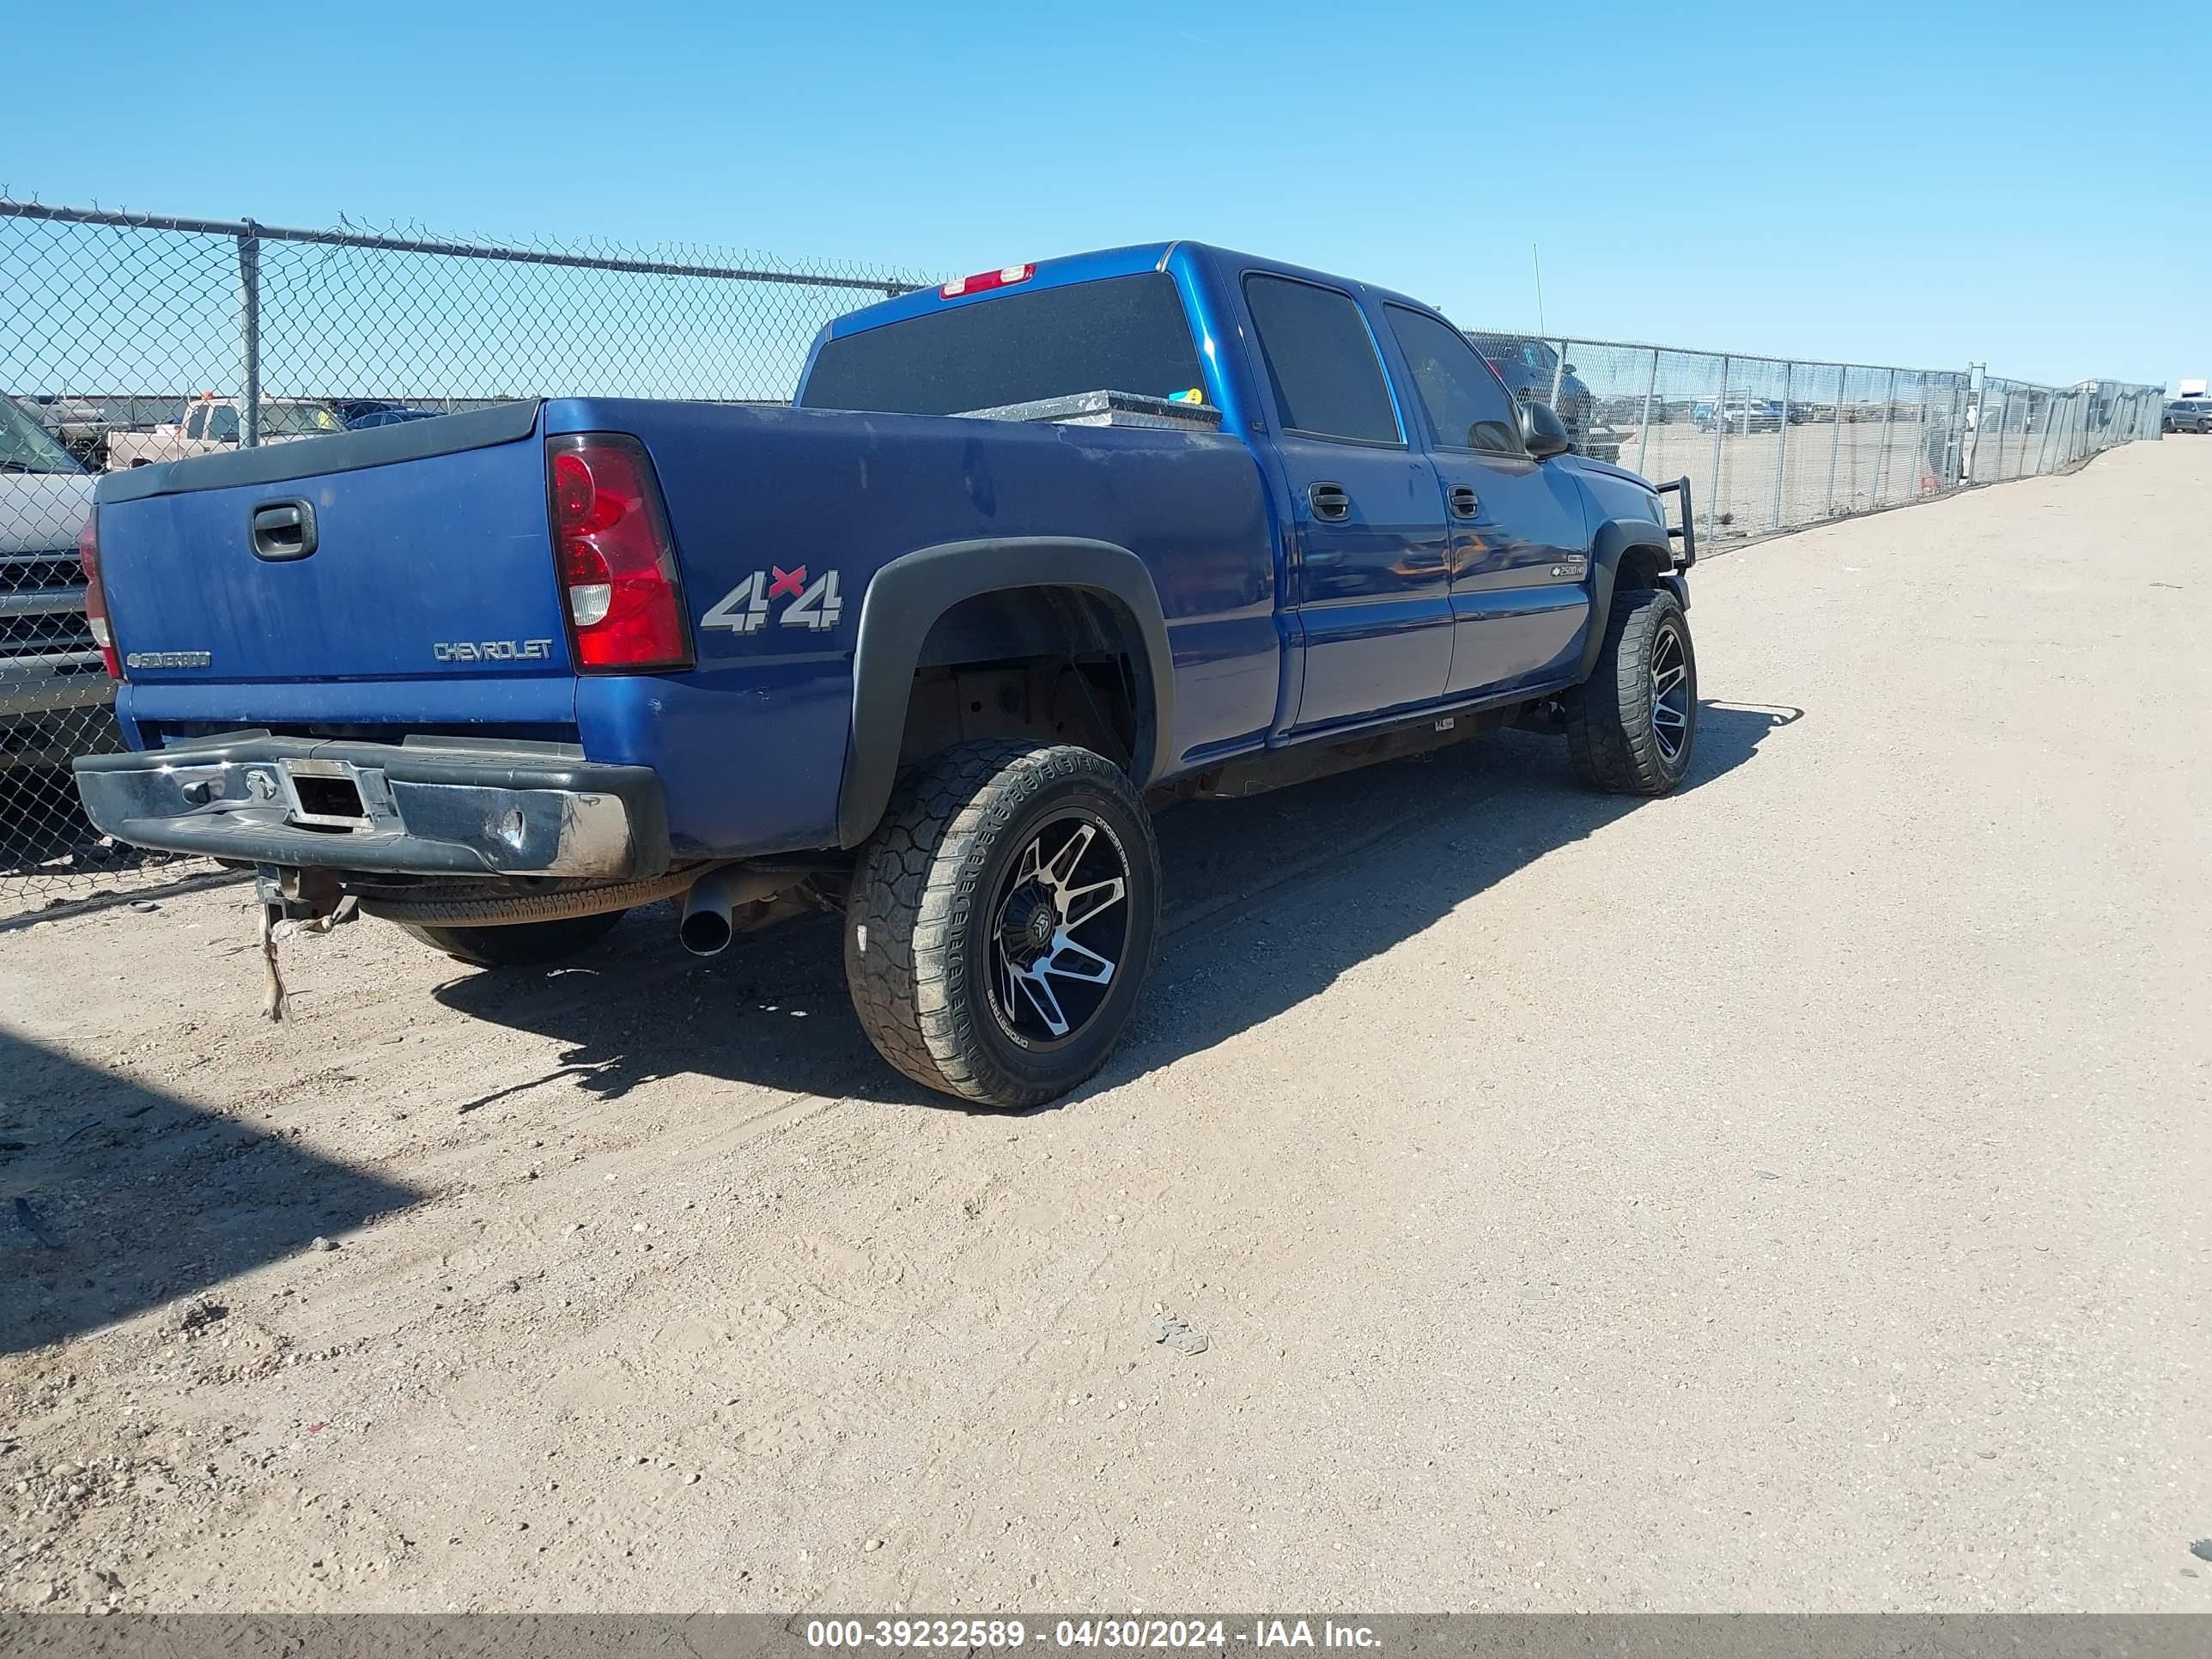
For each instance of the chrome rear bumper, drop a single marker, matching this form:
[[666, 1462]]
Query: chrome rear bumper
[[439, 807]]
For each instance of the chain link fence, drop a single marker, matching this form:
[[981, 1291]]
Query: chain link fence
[[1770, 445], [127, 339]]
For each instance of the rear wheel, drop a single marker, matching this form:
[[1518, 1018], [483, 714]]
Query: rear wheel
[[1631, 727], [1001, 922], [521, 945]]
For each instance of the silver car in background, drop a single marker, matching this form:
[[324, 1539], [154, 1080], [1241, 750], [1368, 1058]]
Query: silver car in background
[[50, 674], [2189, 415]]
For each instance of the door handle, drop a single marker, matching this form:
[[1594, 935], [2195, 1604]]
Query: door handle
[[1330, 503], [1465, 503], [283, 530]]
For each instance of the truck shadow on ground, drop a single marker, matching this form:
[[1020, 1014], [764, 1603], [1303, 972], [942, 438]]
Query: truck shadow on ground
[[1352, 865], [116, 1197]]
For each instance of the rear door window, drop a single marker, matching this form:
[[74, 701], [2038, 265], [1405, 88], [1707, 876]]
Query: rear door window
[[1322, 362], [1465, 402]]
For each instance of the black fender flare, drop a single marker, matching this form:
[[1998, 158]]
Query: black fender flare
[[1614, 542], [903, 603]]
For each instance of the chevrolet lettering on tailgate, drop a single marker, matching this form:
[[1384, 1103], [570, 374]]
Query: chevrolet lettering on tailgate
[[492, 650]]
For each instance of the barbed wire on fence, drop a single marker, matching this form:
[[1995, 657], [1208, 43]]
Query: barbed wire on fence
[[132, 337]]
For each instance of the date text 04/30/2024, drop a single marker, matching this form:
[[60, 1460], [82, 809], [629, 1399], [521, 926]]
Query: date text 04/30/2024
[[1202, 1635]]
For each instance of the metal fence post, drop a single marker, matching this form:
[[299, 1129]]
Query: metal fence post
[[1836, 445], [1720, 427], [2004, 422], [1559, 373], [1950, 467], [249, 336], [1643, 426], [1782, 441], [1881, 444], [2043, 442]]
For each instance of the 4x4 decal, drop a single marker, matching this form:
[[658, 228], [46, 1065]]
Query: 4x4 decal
[[743, 609]]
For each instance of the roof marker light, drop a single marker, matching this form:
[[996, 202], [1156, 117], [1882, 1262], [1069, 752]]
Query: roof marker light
[[1006, 277]]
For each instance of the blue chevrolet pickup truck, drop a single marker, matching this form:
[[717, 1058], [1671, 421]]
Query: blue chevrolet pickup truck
[[1033, 553]]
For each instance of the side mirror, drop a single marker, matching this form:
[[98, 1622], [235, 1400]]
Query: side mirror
[[1543, 432]]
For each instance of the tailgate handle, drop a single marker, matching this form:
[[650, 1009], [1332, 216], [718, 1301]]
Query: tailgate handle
[[283, 530]]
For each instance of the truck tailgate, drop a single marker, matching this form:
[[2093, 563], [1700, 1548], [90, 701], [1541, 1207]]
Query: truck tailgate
[[427, 555]]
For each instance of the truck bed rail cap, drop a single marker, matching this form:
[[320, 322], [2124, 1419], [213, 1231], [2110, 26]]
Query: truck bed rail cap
[[312, 458]]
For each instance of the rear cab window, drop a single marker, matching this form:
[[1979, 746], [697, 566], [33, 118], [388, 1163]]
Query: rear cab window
[[1322, 362], [1112, 334]]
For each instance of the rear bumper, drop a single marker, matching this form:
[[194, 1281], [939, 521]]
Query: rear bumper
[[451, 808]]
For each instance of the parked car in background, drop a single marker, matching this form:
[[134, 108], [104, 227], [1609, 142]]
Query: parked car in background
[[1738, 411], [360, 413], [50, 665], [210, 424], [387, 415], [81, 426], [2188, 414], [1530, 367]]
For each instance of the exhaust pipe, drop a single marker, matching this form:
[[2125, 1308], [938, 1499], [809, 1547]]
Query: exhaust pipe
[[707, 925]]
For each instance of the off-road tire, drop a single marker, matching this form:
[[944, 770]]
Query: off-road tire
[[1610, 736], [921, 916], [520, 945]]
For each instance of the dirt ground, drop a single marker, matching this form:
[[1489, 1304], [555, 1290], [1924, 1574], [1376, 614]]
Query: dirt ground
[[1788, 1195]]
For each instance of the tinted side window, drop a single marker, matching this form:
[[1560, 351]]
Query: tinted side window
[[223, 424], [1465, 404], [1322, 362]]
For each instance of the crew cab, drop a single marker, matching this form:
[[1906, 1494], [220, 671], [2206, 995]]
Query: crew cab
[[1032, 552]]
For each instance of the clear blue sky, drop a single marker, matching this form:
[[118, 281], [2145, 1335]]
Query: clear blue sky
[[2029, 185]]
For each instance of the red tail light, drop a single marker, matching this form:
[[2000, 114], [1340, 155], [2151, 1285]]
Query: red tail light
[[95, 595], [618, 565]]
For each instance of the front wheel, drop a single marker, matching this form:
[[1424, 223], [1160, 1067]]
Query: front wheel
[[1632, 725], [1001, 922]]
